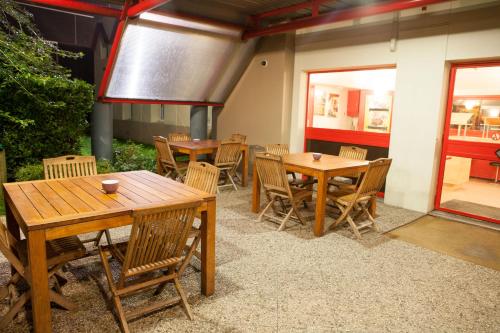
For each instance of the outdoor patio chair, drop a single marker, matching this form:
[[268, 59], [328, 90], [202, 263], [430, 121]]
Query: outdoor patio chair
[[150, 258], [274, 181], [349, 182], [167, 165], [282, 149], [74, 166], [59, 252], [358, 202], [176, 137], [226, 158], [204, 177], [243, 140]]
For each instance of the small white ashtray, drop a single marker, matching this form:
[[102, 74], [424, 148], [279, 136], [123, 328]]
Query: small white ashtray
[[110, 185]]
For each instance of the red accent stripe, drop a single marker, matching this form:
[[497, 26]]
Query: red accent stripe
[[144, 6], [477, 217], [79, 6], [149, 101], [341, 15], [344, 136]]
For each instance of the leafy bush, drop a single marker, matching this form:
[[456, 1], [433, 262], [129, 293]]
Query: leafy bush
[[29, 172], [104, 166], [132, 156], [43, 111]]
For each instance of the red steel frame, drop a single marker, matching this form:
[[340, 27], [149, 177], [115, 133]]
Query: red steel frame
[[330, 17], [475, 150], [346, 136]]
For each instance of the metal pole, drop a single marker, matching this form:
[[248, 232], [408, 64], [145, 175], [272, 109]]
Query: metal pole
[[102, 131], [199, 122]]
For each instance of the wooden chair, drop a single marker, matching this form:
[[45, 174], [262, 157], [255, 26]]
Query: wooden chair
[[274, 181], [226, 158], [349, 202], [349, 181], [176, 137], [59, 252], [167, 165], [204, 177], [281, 149], [74, 166], [243, 140], [156, 244]]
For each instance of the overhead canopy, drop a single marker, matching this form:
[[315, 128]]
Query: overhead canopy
[[167, 58]]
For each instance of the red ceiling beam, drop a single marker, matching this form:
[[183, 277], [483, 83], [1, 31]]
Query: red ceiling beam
[[340, 15], [144, 6], [79, 6]]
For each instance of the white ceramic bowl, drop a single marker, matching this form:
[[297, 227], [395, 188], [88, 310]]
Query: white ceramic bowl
[[316, 156], [110, 185]]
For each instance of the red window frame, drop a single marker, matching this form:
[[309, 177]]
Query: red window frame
[[474, 150], [337, 135]]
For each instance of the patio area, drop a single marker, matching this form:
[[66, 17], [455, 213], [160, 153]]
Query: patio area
[[291, 281]]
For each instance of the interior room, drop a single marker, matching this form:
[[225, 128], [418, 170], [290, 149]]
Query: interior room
[[249, 166]]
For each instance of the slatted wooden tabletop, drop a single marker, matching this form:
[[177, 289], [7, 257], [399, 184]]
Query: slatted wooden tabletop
[[49, 203], [50, 209]]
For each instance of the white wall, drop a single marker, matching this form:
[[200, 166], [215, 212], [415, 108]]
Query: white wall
[[426, 44]]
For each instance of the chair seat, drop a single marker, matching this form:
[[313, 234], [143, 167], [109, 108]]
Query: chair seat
[[345, 197], [58, 250], [300, 194]]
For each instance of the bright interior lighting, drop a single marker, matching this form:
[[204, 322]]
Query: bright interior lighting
[[494, 112], [190, 24], [470, 104]]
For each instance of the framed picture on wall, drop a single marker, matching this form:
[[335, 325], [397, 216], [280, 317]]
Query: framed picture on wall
[[332, 105], [378, 110], [319, 102]]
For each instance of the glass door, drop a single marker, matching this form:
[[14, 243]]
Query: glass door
[[469, 176]]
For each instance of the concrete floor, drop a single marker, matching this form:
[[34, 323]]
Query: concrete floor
[[290, 281]]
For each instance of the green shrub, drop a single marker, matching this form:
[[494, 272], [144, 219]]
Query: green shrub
[[104, 166], [29, 172], [132, 156], [43, 111]]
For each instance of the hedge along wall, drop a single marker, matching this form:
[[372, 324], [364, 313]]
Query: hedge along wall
[[55, 109]]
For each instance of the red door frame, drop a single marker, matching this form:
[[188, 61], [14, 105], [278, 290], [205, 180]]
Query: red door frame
[[335, 135], [480, 150]]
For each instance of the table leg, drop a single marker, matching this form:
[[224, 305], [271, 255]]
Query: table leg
[[208, 222], [39, 281], [193, 156], [319, 225], [255, 190], [244, 170]]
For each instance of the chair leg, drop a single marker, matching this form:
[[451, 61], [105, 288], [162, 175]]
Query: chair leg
[[62, 301], [184, 301], [121, 314], [189, 255], [298, 213], [283, 223], [259, 218], [354, 227], [232, 181], [13, 311], [370, 217]]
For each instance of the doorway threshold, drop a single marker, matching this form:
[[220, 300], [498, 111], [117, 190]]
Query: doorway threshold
[[464, 219]]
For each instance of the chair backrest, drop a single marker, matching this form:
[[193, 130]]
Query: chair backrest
[[69, 166], [374, 177], [238, 137], [279, 149], [176, 137], [158, 235], [163, 152], [272, 173], [6, 242], [202, 176], [228, 153], [353, 152]]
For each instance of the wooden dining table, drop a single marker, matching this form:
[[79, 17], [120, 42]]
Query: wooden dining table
[[51, 209], [202, 147], [327, 167]]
